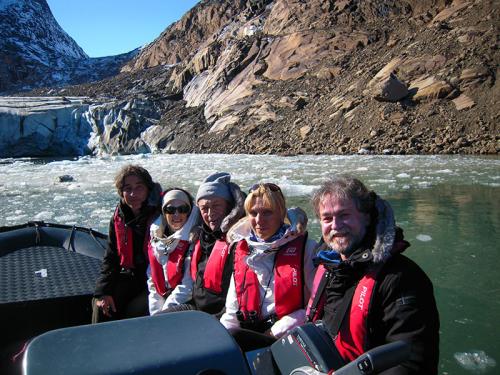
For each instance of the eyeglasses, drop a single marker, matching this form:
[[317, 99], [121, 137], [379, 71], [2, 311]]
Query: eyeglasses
[[184, 209], [269, 185]]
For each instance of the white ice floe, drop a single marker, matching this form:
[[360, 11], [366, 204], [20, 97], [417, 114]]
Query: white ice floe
[[44, 215], [16, 218], [475, 360], [424, 237], [69, 219], [463, 321]]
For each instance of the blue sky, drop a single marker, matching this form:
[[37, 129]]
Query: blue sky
[[111, 27]]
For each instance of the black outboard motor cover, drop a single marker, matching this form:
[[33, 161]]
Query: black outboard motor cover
[[188, 342], [307, 345]]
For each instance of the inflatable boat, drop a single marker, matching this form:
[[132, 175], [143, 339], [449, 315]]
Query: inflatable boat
[[47, 277]]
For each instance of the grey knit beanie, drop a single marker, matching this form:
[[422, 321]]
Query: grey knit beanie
[[215, 185]]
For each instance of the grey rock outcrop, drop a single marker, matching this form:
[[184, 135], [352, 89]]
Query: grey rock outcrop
[[385, 86]]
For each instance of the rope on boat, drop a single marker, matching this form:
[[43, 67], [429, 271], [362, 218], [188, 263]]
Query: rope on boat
[[96, 240], [71, 236], [37, 232]]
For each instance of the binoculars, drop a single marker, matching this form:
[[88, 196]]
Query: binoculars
[[252, 321]]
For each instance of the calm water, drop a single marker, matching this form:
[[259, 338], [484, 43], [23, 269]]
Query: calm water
[[447, 206]]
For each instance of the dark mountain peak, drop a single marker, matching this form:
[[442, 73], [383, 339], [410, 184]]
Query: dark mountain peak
[[29, 28], [36, 52]]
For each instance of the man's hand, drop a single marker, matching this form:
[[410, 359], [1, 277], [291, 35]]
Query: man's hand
[[269, 333], [106, 304]]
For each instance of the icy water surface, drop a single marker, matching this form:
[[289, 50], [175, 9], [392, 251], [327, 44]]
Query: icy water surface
[[447, 206]]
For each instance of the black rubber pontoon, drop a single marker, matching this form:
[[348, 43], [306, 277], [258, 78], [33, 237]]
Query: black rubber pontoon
[[47, 277]]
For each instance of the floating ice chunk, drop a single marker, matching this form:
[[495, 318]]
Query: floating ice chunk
[[383, 181], [68, 219], [403, 175], [16, 218], [100, 213], [424, 183], [463, 321], [44, 215], [296, 190], [424, 237], [476, 360]]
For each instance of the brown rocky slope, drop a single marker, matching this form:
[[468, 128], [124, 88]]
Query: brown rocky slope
[[319, 76]]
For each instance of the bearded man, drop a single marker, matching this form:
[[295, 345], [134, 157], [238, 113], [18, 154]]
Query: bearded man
[[366, 292]]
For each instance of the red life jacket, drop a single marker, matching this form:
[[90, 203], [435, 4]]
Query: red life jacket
[[212, 277], [174, 269], [351, 340], [125, 241], [288, 279]]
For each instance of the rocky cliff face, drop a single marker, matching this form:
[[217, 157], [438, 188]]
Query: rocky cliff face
[[36, 52], [180, 39], [320, 76]]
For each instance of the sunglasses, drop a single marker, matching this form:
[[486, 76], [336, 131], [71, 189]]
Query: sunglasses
[[268, 185], [184, 209]]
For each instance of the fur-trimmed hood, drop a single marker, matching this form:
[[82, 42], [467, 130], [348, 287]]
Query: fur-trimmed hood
[[385, 231], [238, 210], [389, 239]]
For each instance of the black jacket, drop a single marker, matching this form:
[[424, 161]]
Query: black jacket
[[403, 307], [110, 269], [206, 300]]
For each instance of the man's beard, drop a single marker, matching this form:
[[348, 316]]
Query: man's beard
[[345, 242]]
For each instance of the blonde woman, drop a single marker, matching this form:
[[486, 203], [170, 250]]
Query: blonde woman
[[273, 270]]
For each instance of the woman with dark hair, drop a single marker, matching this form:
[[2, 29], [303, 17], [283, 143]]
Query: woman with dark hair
[[172, 239], [121, 289], [273, 269]]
